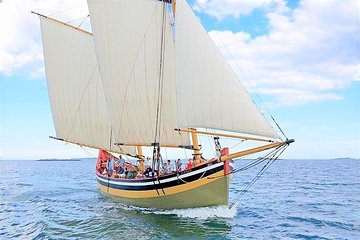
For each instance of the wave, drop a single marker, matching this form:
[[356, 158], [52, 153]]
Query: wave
[[202, 213]]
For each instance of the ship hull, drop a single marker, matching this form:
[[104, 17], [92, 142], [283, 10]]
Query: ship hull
[[206, 185]]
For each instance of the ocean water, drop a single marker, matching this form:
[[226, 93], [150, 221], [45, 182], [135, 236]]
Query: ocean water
[[294, 199]]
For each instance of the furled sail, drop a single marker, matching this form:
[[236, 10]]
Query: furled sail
[[128, 42], [209, 93], [75, 89]]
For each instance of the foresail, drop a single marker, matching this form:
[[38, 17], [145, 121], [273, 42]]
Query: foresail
[[209, 93], [127, 36], [75, 89]]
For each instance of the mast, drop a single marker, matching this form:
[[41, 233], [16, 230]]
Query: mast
[[141, 158], [156, 150], [173, 5], [195, 140]]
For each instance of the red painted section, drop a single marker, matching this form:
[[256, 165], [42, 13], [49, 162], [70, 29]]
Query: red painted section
[[224, 151], [103, 157], [226, 167], [189, 165]]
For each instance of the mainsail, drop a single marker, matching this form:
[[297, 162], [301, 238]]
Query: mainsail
[[134, 44], [76, 94], [209, 93]]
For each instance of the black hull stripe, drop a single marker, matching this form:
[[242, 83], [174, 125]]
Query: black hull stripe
[[103, 181], [162, 179]]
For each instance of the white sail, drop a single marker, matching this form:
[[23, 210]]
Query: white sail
[[75, 89], [127, 36], [209, 93]]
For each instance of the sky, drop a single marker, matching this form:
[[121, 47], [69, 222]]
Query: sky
[[299, 59]]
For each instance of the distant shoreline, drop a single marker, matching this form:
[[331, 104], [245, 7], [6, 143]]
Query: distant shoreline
[[58, 160]]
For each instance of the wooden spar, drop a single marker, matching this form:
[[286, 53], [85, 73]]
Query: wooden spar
[[90, 146], [196, 145], [190, 130], [173, 4], [66, 24], [251, 151], [147, 145], [141, 158]]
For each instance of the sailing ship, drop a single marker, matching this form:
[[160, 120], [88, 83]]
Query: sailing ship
[[149, 76]]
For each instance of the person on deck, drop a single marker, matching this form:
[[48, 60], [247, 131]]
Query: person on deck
[[121, 160], [189, 164], [147, 172], [132, 172], [121, 169], [165, 168], [178, 165], [169, 166], [147, 163], [110, 165]]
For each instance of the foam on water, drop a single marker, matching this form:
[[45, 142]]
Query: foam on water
[[202, 213]]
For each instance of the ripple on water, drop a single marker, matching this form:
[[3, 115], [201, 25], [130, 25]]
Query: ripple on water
[[307, 236], [293, 200]]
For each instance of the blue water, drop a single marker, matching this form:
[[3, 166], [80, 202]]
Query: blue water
[[294, 199]]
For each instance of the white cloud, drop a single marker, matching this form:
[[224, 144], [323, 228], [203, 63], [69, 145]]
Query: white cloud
[[20, 40], [309, 53]]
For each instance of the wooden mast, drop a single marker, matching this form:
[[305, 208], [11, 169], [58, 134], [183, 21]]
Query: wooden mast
[[173, 4], [141, 158], [195, 140]]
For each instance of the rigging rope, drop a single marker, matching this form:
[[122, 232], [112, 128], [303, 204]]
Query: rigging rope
[[202, 175], [253, 163], [75, 20], [241, 141], [87, 152], [257, 161], [271, 160], [83, 21], [161, 79], [156, 150]]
